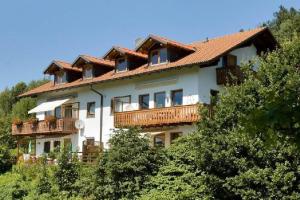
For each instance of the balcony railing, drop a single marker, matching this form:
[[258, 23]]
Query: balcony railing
[[62, 126], [158, 116], [229, 75]]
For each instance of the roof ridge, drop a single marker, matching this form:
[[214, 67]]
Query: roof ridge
[[227, 35]]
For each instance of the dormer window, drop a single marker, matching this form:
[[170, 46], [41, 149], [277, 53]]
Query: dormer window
[[121, 65], [158, 56], [88, 72], [60, 77]]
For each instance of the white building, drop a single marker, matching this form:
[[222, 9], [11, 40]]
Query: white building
[[158, 87]]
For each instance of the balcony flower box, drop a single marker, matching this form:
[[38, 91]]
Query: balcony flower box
[[33, 122], [51, 121], [18, 123]]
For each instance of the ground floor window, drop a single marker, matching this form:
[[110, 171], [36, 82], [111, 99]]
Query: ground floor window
[[47, 146], [159, 140], [56, 145]]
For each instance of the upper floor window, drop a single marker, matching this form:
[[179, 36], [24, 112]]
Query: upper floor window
[[121, 104], [60, 77], [91, 109], [121, 65], [229, 60], [176, 97], [159, 99], [57, 112], [88, 72], [158, 56], [144, 101]]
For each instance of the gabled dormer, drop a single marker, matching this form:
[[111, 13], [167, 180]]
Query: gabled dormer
[[62, 72], [125, 59], [92, 67], [162, 50]]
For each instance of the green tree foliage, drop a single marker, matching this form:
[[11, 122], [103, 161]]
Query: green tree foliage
[[12, 107], [125, 168], [67, 172], [44, 184], [21, 108], [286, 24]]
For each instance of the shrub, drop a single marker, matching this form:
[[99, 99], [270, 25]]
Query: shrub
[[124, 169], [67, 172]]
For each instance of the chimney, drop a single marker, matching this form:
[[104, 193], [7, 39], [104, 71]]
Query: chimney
[[138, 41]]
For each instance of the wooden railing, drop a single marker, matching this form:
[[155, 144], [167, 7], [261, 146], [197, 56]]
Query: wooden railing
[[229, 75], [157, 116], [62, 126]]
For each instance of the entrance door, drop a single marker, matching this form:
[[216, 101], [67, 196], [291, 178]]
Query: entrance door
[[68, 111]]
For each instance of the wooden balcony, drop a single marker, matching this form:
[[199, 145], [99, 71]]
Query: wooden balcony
[[62, 126], [229, 75], [158, 116]]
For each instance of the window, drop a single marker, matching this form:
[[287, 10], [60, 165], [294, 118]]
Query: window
[[47, 147], [159, 140], [158, 56], [229, 60], [91, 109], [57, 112], [144, 101], [176, 97], [88, 72], [160, 99], [57, 146], [154, 57], [48, 113], [174, 136], [121, 65], [60, 77], [121, 104]]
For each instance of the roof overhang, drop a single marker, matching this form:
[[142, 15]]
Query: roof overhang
[[145, 45], [59, 65], [84, 59], [116, 51]]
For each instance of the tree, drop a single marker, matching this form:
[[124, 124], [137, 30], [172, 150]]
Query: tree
[[67, 172], [286, 24], [21, 108], [125, 168]]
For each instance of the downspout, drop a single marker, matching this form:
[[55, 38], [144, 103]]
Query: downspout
[[101, 112]]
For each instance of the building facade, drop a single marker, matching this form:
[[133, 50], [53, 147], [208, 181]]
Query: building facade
[[159, 86]]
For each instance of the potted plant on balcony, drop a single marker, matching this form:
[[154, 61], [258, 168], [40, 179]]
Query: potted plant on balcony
[[18, 123], [33, 122], [51, 121]]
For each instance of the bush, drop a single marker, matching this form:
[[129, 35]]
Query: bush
[[124, 169], [67, 172]]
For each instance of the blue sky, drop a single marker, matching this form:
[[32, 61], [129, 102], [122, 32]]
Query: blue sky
[[34, 32]]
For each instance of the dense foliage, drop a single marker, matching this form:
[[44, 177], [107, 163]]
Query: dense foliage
[[124, 169], [11, 107]]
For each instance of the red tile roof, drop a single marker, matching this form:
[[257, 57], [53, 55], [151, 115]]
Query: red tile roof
[[166, 41], [205, 52], [95, 60], [63, 65], [124, 50]]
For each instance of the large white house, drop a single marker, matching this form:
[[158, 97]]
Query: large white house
[[158, 86]]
